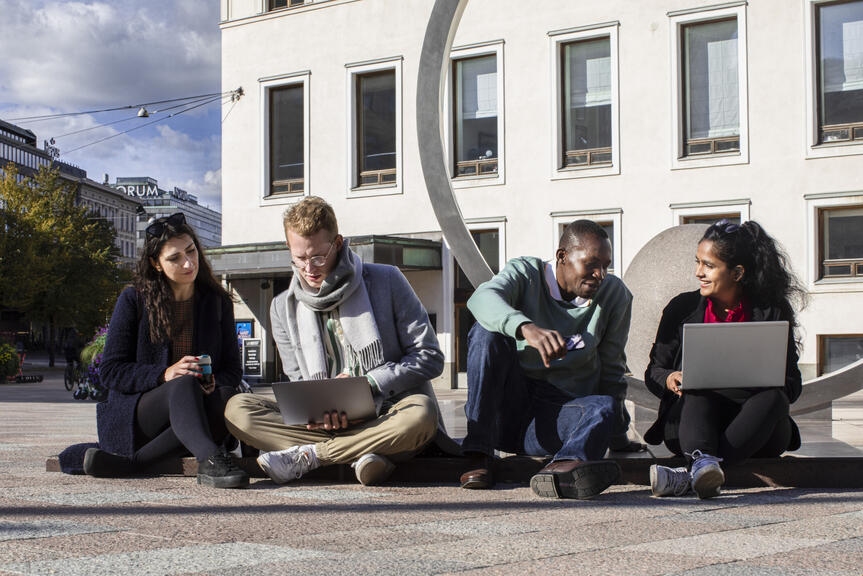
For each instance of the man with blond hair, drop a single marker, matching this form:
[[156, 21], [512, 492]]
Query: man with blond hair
[[343, 317]]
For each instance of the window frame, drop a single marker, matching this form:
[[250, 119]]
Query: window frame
[[720, 208], [812, 145], [816, 205], [495, 48], [353, 72], [821, 349], [677, 21], [557, 39], [609, 215], [265, 86]]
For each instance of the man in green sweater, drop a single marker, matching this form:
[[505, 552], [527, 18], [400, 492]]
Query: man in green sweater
[[546, 366]]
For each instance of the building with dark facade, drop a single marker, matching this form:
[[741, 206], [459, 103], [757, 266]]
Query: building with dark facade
[[157, 202]]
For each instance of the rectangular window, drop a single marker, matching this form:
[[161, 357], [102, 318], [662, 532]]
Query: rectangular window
[[733, 218], [376, 128], [587, 101], [287, 140], [841, 243], [839, 49], [610, 220], [278, 4], [838, 351], [710, 81], [475, 125]]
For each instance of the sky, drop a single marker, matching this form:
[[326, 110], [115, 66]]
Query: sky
[[65, 56]]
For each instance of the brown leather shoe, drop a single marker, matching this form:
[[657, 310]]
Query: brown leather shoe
[[575, 479], [480, 474]]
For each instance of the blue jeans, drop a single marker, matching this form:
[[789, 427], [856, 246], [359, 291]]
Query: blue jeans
[[508, 411]]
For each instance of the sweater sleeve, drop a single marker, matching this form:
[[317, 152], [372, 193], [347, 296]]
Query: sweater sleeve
[[422, 359], [495, 303], [611, 349], [119, 369]]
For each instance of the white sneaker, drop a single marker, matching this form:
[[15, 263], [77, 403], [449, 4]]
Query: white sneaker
[[707, 475], [285, 465], [372, 469], [665, 481]]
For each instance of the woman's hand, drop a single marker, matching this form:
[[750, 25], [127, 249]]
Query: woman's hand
[[185, 366], [673, 382]]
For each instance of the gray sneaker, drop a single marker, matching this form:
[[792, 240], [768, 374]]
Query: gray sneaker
[[707, 476], [665, 481], [285, 465], [372, 469]]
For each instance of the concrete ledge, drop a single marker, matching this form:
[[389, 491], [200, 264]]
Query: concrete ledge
[[787, 471]]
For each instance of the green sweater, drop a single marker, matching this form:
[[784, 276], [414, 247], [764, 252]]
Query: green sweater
[[519, 293]]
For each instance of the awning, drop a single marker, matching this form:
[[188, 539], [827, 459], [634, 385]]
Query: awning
[[274, 259]]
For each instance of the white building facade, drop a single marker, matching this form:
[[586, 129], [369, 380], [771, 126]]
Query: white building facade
[[639, 115]]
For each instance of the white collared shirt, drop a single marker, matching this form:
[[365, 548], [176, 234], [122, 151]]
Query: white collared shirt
[[554, 289]]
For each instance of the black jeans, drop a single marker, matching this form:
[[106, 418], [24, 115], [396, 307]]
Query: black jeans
[[735, 423], [177, 417]]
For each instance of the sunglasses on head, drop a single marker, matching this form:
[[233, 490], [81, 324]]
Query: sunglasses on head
[[727, 227], [157, 228]]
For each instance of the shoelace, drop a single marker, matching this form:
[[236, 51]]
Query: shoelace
[[679, 481], [303, 464], [700, 460]]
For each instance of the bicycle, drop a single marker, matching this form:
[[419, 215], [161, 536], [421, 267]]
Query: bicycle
[[73, 375]]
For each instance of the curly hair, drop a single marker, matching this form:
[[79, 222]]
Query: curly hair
[[309, 216], [767, 278], [154, 288]]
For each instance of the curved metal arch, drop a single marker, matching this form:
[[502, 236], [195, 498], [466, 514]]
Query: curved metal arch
[[431, 79]]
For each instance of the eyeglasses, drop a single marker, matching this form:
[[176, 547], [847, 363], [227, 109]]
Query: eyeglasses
[[727, 227], [316, 261], [157, 228]]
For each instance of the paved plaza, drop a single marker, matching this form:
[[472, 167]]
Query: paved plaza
[[52, 523]]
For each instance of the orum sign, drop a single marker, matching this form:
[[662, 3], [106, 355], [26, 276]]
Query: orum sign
[[140, 190]]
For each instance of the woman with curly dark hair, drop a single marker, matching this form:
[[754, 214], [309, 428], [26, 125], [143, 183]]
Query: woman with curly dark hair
[[744, 276], [160, 403]]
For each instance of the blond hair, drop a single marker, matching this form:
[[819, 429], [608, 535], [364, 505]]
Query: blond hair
[[309, 216]]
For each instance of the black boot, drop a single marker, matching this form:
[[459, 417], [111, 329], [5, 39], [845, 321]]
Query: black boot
[[220, 471], [106, 465]]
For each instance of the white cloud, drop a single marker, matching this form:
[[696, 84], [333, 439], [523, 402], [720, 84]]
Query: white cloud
[[69, 56]]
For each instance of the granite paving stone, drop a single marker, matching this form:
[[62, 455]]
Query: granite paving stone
[[65, 524], [164, 561], [23, 530], [738, 544]]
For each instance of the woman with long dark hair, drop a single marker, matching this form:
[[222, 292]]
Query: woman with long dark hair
[[744, 276], [160, 403]]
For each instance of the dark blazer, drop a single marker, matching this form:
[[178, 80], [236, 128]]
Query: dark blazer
[[131, 363], [667, 351]]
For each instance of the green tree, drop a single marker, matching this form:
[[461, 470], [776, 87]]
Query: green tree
[[57, 261]]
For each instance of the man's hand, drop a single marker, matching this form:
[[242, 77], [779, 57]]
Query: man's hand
[[673, 382], [334, 420], [550, 343]]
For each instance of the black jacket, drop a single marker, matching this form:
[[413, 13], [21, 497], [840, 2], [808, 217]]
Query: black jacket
[[667, 351]]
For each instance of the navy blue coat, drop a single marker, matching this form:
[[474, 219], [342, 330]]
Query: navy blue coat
[[131, 363]]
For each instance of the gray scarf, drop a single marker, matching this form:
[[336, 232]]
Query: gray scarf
[[342, 289]]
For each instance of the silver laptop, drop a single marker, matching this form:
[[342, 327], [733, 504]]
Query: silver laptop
[[734, 355], [305, 401]]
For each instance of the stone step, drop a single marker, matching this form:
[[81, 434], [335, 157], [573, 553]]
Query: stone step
[[786, 471]]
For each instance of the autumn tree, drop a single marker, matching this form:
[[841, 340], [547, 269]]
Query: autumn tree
[[57, 260]]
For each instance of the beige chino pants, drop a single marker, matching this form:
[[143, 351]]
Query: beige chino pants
[[403, 430]]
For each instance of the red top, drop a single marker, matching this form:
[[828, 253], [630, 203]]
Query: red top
[[740, 313]]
